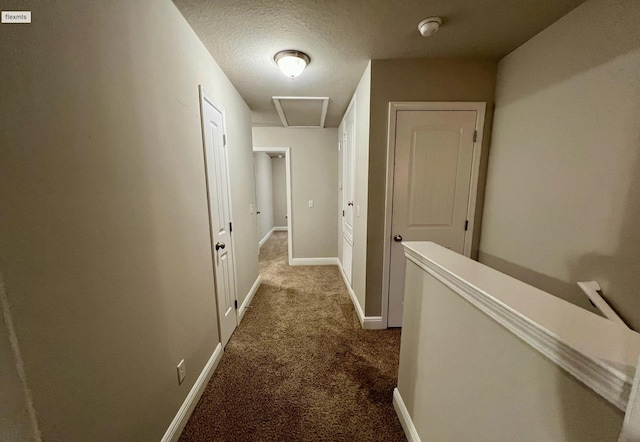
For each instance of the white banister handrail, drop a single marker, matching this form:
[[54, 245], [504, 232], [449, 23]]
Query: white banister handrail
[[593, 349], [631, 425], [591, 289]]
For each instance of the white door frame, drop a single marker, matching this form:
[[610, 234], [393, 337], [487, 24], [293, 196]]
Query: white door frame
[[350, 108], [286, 151], [344, 234], [394, 107], [205, 95]]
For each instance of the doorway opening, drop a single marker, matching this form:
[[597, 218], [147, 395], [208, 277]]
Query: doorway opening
[[273, 193]]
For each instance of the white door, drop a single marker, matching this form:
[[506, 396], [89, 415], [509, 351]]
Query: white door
[[215, 152], [348, 189], [434, 153]]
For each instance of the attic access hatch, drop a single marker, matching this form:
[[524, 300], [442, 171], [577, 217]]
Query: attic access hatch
[[302, 112]]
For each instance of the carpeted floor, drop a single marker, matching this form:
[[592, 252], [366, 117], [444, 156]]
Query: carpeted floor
[[299, 366]]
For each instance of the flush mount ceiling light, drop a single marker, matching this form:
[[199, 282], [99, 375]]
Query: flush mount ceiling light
[[291, 62], [429, 26]]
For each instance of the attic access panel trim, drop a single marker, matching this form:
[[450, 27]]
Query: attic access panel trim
[[324, 101]]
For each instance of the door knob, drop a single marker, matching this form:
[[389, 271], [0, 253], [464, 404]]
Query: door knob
[[220, 245], [397, 237], [350, 203]]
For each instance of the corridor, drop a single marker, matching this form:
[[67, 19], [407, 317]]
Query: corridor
[[299, 367]]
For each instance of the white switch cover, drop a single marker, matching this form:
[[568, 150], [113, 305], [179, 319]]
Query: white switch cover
[[182, 372], [311, 203]]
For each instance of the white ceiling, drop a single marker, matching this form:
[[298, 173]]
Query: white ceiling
[[341, 36]]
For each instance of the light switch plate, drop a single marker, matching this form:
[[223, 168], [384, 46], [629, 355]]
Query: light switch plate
[[182, 372], [310, 203]]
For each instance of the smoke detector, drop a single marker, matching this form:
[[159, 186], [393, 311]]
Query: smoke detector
[[429, 26]]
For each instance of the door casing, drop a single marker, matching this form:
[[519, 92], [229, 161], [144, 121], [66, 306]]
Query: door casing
[[348, 135], [394, 107]]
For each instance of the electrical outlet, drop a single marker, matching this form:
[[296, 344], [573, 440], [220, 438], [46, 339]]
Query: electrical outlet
[[310, 204], [182, 372]]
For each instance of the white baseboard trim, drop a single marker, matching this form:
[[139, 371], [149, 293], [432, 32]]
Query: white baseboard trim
[[366, 322], [352, 295], [266, 237], [373, 323], [314, 262], [403, 416], [280, 229], [181, 418], [247, 300]]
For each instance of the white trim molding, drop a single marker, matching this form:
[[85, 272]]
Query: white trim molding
[[313, 262], [247, 300], [394, 107], [373, 323], [352, 295], [366, 322], [266, 238], [410, 431], [631, 425], [270, 232], [600, 354], [181, 418]]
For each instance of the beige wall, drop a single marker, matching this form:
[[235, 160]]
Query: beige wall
[[314, 169], [416, 80], [104, 225], [279, 169], [264, 192], [463, 377], [563, 190]]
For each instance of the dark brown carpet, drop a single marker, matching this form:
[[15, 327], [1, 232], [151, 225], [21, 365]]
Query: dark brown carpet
[[300, 367]]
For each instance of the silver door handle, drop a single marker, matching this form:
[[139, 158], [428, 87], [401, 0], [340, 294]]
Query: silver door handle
[[397, 237], [220, 245]]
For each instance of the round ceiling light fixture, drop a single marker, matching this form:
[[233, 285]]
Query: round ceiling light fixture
[[429, 26], [291, 62]]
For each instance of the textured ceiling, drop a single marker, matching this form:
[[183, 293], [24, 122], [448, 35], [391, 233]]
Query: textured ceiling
[[340, 36]]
